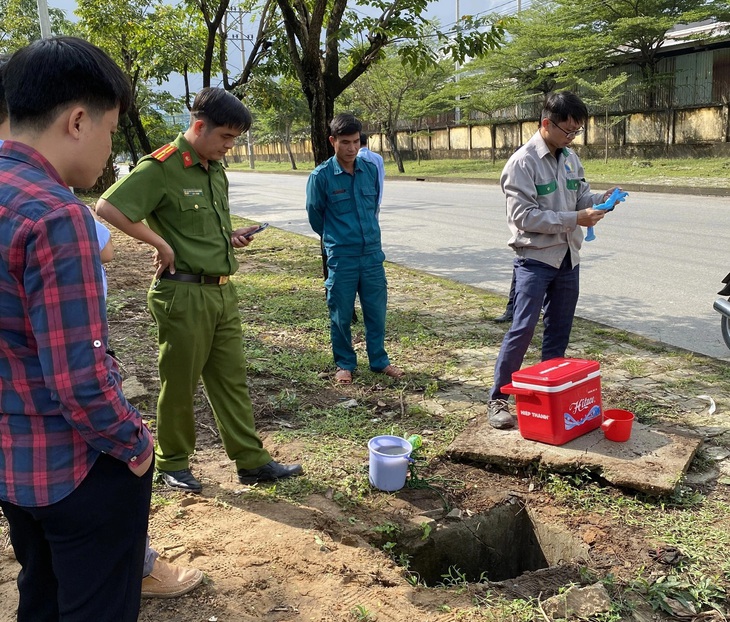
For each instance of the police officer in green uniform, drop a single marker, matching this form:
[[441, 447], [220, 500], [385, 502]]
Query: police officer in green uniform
[[181, 190]]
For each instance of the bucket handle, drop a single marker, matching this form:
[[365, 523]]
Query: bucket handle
[[512, 389]]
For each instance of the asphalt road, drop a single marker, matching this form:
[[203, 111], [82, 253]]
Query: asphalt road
[[654, 268]]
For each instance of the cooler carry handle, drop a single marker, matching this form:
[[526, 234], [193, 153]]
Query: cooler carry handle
[[512, 389]]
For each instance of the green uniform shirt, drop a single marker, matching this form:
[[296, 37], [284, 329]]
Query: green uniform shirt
[[183, 203]]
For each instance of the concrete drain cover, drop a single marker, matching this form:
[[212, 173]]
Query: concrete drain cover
[[653, 461], [496, 546]]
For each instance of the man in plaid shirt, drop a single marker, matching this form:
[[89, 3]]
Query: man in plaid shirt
[[75, 456]]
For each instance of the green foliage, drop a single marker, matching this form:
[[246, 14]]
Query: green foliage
[[361, 614], [388, 529], [20, 24], [352, 42], [391, 93], [599, 31], [689, 593], [131, 32], [563, 44], [425, 531], [527, 63], [280, 111], [603, 95]]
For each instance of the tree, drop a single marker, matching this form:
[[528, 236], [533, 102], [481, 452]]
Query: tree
[[183, 32], [529, 60], [323, 38], [603, 95], [389, 93], [21, 25], [280, 111], [214, 15], [485, 92], [131, 32], [601, 33]]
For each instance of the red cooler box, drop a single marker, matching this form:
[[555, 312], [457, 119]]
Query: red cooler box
[[557, 400]]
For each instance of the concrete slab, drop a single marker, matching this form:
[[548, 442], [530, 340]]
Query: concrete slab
[[651, 461]]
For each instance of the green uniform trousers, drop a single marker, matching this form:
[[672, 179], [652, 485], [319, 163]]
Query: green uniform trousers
[[199, 334]]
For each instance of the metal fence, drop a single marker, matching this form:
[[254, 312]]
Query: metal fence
[[683, 81]]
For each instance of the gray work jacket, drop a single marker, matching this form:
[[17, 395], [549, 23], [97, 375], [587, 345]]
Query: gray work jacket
[[544, 195]]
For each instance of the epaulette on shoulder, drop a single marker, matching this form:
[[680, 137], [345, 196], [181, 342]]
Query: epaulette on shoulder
[[164, 152]]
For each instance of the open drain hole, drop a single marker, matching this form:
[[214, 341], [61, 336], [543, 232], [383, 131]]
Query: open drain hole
[[502, 544]]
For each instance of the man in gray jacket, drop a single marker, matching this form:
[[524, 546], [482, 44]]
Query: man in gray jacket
[[548, 201]]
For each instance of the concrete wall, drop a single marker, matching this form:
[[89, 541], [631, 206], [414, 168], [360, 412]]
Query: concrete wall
[[481, 137], [699, 126], [440, 139], [668, 132], [460, 138]]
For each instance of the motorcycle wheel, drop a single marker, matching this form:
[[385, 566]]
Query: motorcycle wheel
[[725, 328]]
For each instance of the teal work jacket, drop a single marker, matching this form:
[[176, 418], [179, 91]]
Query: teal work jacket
[[342, 208]]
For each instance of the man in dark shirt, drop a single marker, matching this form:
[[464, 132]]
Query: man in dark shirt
[[75, 456]]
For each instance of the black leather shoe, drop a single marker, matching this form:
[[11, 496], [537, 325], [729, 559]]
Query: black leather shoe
[[505, 317], [181, 480], [268, 473]]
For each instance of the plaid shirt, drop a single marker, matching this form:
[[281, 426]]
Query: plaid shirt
[[61, 402]]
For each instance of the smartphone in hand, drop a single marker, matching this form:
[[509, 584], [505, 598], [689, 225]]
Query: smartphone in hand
[[262, 226]]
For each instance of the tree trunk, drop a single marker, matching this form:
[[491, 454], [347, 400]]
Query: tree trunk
[[321, 110], [136, 122], [287, 144], [107, 178], [128, 132], [493, 132], [393, 142]]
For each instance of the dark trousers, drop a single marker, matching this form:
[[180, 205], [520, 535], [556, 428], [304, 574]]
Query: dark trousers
[[538, 286], [82, 557], [510, 308], [364, 276]]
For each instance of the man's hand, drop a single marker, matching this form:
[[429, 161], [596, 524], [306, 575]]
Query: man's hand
[[589, 217], [608, 193], [239, 238], [164, 259], [139, 469]]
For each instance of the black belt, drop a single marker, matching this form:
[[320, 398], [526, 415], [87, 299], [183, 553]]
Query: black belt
[[200, 279]]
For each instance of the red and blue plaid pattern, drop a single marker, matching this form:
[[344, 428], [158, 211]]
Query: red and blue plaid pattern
[[61, 402]]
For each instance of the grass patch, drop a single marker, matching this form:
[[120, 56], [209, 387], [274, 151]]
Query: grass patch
[[692, 172], [438, 331]]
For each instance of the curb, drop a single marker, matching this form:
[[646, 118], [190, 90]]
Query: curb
[[630, 187]]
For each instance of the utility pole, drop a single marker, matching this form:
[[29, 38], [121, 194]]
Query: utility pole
[[457, 110], [43, 19], [238, 20]]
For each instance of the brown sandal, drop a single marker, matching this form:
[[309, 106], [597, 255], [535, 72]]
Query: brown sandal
[[343, 376], [393, 372]]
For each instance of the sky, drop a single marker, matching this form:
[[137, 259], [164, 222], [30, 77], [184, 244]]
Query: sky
[[442, 10]]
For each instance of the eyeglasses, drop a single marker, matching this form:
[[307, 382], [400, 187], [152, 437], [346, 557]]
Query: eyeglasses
[[568, 134]]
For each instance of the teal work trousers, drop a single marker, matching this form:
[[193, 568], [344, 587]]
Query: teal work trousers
[[363, 275], [199, 334]]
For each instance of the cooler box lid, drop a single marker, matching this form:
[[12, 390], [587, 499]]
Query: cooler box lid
[[556, 375]]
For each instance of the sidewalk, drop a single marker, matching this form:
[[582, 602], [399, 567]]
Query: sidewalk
[[630, 187]]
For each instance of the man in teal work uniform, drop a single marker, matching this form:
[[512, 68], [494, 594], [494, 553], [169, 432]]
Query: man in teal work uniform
[[342, 204], [181, 190]]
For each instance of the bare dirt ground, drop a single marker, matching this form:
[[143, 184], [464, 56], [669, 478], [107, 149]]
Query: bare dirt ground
[[319, 560]]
